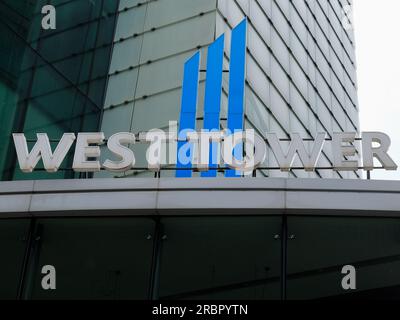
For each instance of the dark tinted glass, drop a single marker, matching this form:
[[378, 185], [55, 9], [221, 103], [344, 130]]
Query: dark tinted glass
[[221, 258], [52, 81], [94, 258], [321, 247], [13, 240]]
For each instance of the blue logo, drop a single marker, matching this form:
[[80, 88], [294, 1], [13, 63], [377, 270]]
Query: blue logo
[[212, 99]]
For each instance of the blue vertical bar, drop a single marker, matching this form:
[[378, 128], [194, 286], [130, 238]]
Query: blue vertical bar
[[236, 86], [212, 99], [188, 108]]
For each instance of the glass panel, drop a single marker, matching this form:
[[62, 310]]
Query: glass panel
[[177, 38], [164, 12], [221, 258], [94, 258], [13, 236], [322, 246], [163, 107], [131, 22], [52, 80]]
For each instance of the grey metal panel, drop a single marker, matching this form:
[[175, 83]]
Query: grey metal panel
[[84, 201], [199, 196], [14, 203], [16, 186], [239, 199], [335, 200], [94, 184], [343, 184], [222, 183]]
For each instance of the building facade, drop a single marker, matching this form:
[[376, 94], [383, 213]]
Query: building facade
[[173, 239], [117, 66], [120, 65], [300, 70]]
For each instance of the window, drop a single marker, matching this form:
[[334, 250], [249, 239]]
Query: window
[[94, 258], [220, 258], [321, 246], [13, 239]]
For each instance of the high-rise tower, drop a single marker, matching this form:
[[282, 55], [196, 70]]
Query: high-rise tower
[[123, 61]]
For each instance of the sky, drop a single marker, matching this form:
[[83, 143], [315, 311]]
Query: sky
[[377, 30]]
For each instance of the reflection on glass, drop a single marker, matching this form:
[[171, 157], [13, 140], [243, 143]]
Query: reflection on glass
[[52, 81], [220, 258], [97, 258], [13, 240], [322, 246]]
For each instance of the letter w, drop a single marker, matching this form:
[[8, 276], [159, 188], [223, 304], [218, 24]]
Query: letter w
[[42, 149], [296, 147]]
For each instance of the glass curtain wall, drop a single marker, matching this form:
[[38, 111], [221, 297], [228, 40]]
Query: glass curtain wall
[[117, 66], [52, 81], [220, 257]]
